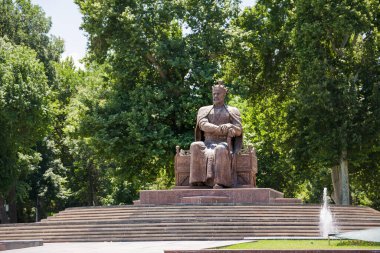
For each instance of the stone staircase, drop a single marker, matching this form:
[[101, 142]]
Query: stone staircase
[[185, 222]]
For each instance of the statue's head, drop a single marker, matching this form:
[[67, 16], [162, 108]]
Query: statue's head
[[219, 92]]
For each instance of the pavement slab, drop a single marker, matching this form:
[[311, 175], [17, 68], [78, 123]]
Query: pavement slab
[[124, 247]]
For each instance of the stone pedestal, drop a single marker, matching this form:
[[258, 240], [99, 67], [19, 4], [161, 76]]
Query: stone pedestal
[[213, 196]]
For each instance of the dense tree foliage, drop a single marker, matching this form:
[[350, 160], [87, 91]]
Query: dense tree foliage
[[260, 66], [339, 85], [158, 80], [317, 63], [26, 24], [23, 111], [25, 27]]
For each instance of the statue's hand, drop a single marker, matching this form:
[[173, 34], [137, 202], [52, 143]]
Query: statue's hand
[[231, 132], [225, 128]]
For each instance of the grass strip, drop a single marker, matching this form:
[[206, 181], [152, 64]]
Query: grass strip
[[304, 244]]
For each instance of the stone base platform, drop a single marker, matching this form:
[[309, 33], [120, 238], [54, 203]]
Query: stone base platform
[[214, 196]]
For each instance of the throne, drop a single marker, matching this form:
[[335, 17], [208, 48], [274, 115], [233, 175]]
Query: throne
[[246, 167]]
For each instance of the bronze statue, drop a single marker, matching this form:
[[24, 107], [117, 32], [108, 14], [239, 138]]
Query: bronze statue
[[218, 138]]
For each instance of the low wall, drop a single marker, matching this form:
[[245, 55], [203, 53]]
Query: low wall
[[19, 244]]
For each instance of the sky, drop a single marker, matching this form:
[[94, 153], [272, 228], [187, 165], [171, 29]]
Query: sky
[[66, 19]]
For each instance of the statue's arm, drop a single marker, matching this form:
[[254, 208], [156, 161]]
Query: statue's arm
[[236, 122], [237, 129], [208, 127], [203, 122]]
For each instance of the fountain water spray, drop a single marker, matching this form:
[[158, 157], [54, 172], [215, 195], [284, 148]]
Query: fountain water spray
[[326, 221]]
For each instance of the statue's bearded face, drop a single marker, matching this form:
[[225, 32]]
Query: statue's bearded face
[[218, 95]]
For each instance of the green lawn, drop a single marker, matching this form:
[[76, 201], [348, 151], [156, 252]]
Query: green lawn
[[304, 244]]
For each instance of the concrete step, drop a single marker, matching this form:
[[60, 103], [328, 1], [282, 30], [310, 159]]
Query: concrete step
[[155, 234], [203, 207], [150, 213], [286, 201], [182, 227], [199, 222], [160, 233], [156, 219], [210, 212]]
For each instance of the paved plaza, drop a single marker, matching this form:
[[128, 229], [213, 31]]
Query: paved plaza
[[122, 247]]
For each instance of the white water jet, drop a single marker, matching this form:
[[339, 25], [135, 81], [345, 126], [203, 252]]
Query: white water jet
[[326, 221]]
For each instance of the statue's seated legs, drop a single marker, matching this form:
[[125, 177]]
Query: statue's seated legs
[[198, 160], [246, 166], [222, 166], [210, 165]]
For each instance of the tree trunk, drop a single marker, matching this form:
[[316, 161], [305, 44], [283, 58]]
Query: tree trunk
[[91, 184], [3, 213], [12, 204], [339, 175], [37, 214]]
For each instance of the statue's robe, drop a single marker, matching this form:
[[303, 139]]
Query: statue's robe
[[212, 153]]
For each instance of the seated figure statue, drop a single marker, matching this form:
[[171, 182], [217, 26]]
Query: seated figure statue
[[218, 135]]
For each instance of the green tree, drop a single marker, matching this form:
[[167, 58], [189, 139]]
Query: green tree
[[23, 111], [337, 100], [260, 65], [90, 178], [26, 24], [49, 192], [318, 61]]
